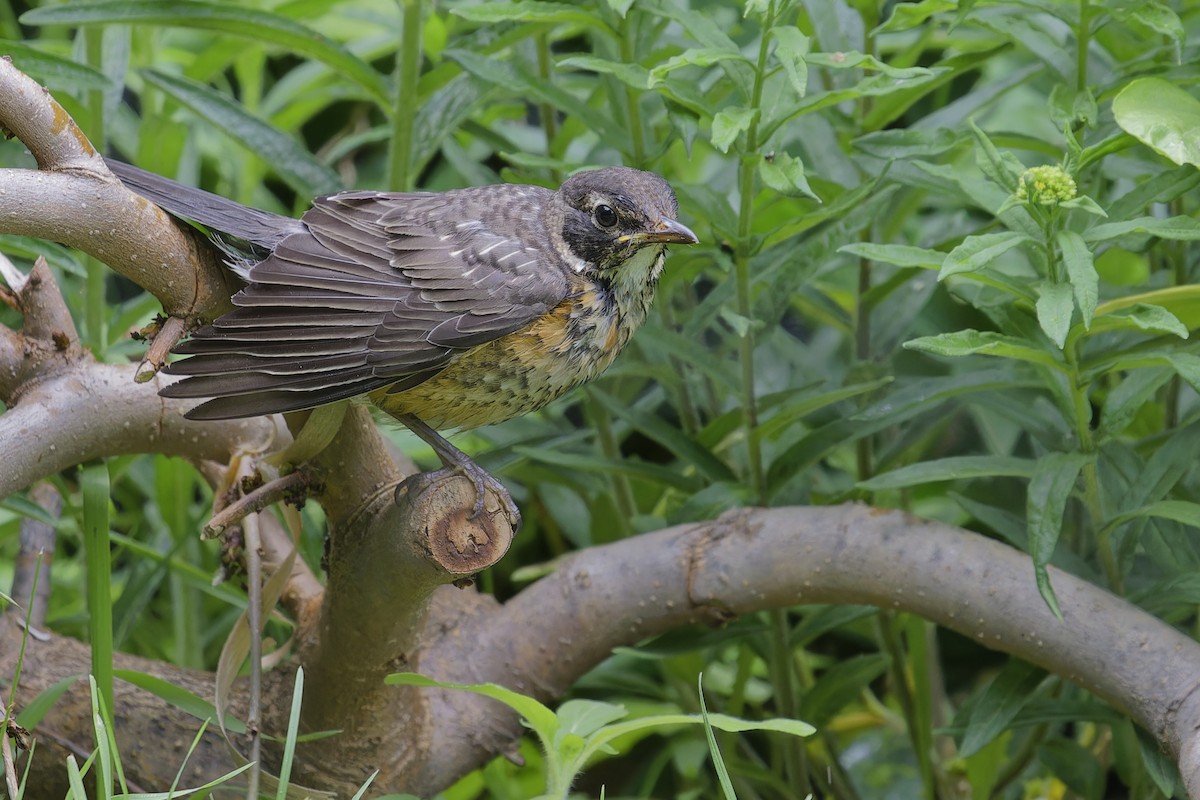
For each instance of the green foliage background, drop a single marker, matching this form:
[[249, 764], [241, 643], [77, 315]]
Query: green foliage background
[[873, 315]]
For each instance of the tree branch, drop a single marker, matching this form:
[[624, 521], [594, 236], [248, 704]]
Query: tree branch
[[750, 560], [73, 198]]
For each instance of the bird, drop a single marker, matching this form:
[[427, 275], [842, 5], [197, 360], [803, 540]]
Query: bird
[[447, 310]]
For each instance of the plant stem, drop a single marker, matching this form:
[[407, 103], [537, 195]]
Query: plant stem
[[1092, 495], [637, 138], [622, 490], [545, 110], [408, 70], [1082, 38]]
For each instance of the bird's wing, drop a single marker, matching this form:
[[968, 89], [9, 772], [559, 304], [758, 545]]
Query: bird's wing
[[379, 290]]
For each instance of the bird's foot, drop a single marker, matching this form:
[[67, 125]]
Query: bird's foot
[[484, 481], [457, 462]]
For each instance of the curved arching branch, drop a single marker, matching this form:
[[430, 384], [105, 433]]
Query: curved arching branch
[[73, 198], [754, 559]]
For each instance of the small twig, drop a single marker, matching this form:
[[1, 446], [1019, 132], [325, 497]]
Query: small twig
[[270, 492], [169, 333], [10, 766]]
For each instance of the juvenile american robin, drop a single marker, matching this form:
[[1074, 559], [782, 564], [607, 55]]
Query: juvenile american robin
[[447, 310]]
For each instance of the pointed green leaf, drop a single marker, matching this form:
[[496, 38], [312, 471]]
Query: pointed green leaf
[[1182, 301], [900, 255], [951, 469], [630, 74], [986, 716], [1180, 511], [729, 123], [1161, 116], [977, 252], [1082, 271], [1050, 487], [969, 342], [696, 57], [240, 20], [531, 11], [791, 46], [1141, 317], [286, 155], [540, 718], [785, 174], [1184, 229], [1054, 307], [852, 59], [906, 16]]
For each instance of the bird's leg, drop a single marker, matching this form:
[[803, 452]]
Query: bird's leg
[[460, 463]]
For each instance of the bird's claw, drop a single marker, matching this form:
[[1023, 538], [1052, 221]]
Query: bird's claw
[[483, 482]]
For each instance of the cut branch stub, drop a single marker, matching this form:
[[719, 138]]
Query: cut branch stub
[[442, 506]]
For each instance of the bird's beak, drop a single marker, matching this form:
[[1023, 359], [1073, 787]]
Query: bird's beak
[[668, 231]]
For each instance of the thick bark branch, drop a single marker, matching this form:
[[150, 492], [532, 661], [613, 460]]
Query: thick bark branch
[[73, 198], [749, 560]]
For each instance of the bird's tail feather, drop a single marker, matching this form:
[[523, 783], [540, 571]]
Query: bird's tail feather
[[220, 215]]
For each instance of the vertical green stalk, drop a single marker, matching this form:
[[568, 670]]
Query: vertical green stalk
[[622, 490], [747, 167], [94, 485], [1083, 37], [546, 112], [95, 305], [408, 71], [1092, 494], [637, 138], [780, 664]]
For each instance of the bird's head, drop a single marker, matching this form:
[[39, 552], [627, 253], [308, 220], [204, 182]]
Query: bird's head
[[611, 215]]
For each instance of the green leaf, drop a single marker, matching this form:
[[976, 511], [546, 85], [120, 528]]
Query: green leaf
[[990, 713], [906, 16], [908, 142], [261, 26], [951, 469], [1184, 229], [1161, 116], [177, 696], [841, 685], [969, 342], [853, 59], [585, 717], [531, 11], [630, 74], [900, 255], [785, 174], [287, 156], [791, 46], [1180, 511], [55, 72], [1050, 487], [977, 252], [530, 87], [634, 469], [1054, 308], [1001, 167], [714, 752], [696, 57], [1182, 301], [686, 448], [729, 123], [1082, 272], [1141, 317], [540, 718]]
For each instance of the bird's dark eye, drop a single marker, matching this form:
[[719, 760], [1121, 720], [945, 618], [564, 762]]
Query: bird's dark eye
[[605, 216]]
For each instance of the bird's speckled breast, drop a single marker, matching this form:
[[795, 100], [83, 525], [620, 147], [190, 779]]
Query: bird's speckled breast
[[525, 370]]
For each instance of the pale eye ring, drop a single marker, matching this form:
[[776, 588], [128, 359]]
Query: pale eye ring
[[605, 216]]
